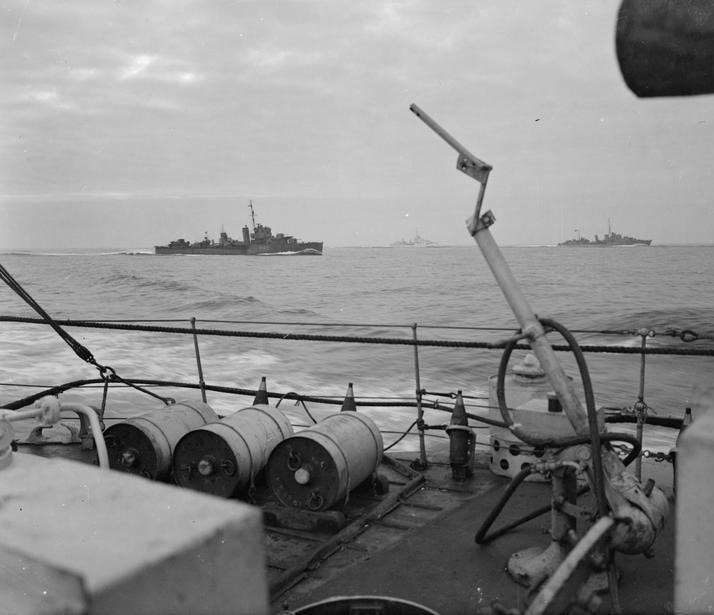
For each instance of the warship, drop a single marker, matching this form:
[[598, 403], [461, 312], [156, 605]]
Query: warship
[[611, 239], [256, 242], [416, 242]]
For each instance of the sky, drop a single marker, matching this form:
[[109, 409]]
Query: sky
[[131, 123]]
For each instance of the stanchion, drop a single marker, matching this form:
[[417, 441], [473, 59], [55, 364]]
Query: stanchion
[[201, 382], [420, 463]]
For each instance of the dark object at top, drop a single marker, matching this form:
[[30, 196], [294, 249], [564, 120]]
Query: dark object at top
[[666, 48]]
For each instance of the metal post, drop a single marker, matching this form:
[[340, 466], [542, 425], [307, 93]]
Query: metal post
[[201, 382], [530, 566], [423, 464], [478, 228], [565, 487], [640, 406], [531, 326], [694, 548]]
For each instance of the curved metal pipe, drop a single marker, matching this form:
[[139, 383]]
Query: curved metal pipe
[[91, 415], [591, 422], [562, 574], [481, 537]]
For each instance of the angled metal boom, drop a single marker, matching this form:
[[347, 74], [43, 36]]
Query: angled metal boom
[[467, 162]]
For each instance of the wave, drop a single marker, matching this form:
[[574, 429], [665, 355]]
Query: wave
[[698, 319], [300, 312], [138, 281], [21, 253], [305, 252], [209, 306], [132, 252]]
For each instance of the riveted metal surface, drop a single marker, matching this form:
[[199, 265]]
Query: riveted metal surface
[[144, 444], [318, 467], [224, 457]]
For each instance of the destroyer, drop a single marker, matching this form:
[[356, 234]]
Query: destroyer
[[609, 240], [260, 241], [417, 242]]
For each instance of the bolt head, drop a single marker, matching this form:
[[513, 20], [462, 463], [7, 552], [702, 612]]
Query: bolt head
[[205, 467], [302, 476], [128, 458]]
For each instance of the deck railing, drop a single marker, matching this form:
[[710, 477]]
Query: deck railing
[[637, 414]]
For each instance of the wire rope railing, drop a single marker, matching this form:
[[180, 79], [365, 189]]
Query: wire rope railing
[[394, 341], [637, 414]]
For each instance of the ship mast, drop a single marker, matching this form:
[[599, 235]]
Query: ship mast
[[252, 214]]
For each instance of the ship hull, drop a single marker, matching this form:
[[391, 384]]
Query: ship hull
[[275, 247], [604, 244]]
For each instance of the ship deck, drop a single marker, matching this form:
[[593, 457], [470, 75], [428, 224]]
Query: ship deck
[[429, 556], [414, 540]]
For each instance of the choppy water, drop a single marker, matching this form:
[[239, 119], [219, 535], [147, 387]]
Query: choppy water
[[620, 288]]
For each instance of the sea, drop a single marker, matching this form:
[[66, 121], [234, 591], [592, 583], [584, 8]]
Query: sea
[[448, 292]]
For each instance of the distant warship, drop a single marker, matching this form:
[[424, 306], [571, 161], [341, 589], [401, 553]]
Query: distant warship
[[260, 241], [416, 242], [609, 240]]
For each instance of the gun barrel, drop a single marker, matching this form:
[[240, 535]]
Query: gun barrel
[[431, 123]]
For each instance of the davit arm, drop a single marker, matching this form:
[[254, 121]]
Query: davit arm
[[638, 512]]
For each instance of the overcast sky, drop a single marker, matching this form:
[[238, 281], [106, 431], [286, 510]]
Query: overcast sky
[[132, 123]]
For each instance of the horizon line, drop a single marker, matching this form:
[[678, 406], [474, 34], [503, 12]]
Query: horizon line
[[120, 249]]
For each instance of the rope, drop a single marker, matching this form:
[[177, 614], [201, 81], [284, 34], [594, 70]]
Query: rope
[[452, 395], [56, 390], [400, 400], [400, 438], [299, 399], [686, 335], [671, 422], [657, 456], [393, 341]]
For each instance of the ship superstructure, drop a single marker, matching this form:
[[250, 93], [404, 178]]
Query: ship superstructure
[[258, 241]]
